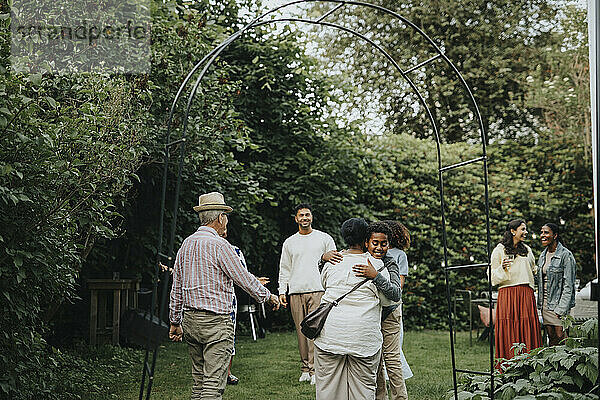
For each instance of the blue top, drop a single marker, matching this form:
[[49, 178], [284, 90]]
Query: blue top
[[400, 257]]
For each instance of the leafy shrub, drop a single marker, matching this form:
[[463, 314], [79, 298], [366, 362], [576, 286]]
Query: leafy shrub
[[558, 372], [67, 160], [585, 334], [79, 373], [69, 150]]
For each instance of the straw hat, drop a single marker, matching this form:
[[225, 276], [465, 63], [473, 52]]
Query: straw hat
[[212, 201]]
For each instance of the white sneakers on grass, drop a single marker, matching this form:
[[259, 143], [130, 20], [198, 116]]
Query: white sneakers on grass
[[305, 377]]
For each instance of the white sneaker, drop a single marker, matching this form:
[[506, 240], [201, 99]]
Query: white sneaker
[[312, 380], [305, 377]]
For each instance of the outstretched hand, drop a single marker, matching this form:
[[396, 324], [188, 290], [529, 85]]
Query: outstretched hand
[[274, 301], [263, 280], [365, 271]]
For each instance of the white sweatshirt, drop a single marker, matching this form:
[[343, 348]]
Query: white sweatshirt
[[298, 267]]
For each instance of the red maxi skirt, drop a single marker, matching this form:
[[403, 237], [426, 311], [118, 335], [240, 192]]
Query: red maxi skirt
[[516, 320]]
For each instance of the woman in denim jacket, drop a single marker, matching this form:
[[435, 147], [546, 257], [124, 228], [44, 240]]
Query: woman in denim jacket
[[555, 281]]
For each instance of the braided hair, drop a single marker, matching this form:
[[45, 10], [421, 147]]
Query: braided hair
[[353, 231]]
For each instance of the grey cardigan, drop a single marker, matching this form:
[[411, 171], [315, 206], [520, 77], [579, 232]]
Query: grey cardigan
[[391, 289]]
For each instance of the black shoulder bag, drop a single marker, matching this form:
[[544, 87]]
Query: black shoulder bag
[[312, 324]]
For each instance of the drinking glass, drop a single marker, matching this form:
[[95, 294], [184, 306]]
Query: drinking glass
[[509, 257]]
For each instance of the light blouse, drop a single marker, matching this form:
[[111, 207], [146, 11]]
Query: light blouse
[[353, 327], [521, 270]]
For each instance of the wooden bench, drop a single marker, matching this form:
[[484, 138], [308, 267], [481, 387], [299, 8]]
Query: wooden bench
[[124, 293]]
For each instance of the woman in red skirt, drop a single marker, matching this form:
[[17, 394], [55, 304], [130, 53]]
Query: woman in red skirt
[[513, 268]]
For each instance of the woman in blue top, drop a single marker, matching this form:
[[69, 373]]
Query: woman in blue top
[[556, 282], [399, 243], [391, 326]]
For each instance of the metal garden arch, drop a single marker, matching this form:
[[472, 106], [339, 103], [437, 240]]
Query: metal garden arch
[[167, 257]]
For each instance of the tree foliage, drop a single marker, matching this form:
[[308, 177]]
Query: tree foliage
[[68, 155], [558, 88], [491, 43]]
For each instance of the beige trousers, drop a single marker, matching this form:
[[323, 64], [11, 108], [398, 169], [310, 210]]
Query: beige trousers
[[344, 377], [210, 342], [390, 328], [300, 306]]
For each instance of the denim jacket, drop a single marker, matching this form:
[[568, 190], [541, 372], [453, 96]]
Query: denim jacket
[[561, 280]]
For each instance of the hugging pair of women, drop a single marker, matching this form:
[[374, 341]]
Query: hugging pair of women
[[364, 330]]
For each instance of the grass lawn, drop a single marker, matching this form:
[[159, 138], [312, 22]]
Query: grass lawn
[[270, 367]]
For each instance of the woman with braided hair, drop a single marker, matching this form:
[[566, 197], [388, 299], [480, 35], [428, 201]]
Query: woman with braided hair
[[391, 323], [348, 349]]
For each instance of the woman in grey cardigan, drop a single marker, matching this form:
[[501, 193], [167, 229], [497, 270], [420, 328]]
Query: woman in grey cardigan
[[556, 282]]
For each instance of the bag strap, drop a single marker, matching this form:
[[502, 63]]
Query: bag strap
[[359, 284]]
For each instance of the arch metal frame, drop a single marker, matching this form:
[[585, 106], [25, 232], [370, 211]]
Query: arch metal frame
[[168, 256]]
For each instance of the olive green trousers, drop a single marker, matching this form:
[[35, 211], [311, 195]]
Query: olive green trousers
[[209, 337]]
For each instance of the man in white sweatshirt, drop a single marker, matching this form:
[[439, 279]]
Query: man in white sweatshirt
[[299, 277]]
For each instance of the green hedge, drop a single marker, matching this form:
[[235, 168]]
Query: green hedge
[[537, 182]]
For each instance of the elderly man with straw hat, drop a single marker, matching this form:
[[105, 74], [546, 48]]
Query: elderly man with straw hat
[[206, 267]]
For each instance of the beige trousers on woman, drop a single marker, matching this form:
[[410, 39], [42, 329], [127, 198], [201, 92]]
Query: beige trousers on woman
[[390, 328], [344, 377]]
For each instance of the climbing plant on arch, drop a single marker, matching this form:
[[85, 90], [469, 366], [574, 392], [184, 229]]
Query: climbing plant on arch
[[175, 149]]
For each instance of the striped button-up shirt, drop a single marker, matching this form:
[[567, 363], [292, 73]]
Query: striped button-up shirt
[[205, 270]]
